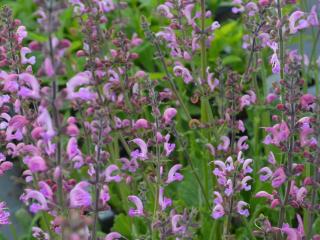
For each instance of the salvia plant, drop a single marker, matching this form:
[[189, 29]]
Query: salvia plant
[[177, 119]]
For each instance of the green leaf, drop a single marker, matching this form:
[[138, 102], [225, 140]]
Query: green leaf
[[122, 225]]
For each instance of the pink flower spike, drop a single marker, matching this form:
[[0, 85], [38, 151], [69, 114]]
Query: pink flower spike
[[241, 210], [218, 211], [113, 236], [108, 174], [24, 60], [79, 197], [138, 211], [173, 175], [168, 115]]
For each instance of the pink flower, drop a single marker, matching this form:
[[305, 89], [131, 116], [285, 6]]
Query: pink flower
[[241, 210], [307, 101], [15, 128], [271, 97], [264, 194], [30, 87], [105, 5], [168, 148], [241, 126], [295, 17], [38, 233], [45, 121], [271, 158], [244, 184], [35, 163], [108, 174], [21, 33], [278, 178], [141, 154], [74, 153], [141, 124], [48, 67], [278, 133], [24, 60], [218, 199], [84, 93], [313, 17], [265, 174], [213, 83], [39, 202], [224, 146], [246, 166], [175, 219], [4, 214], [131, 165], [79, 197], [229, 164], [164, 10], [104, 194], [168, 115], [180, 71], [187, 12], [251, 8], [164, 202], [46, 190], [113, 236], [242, 143], [218, 211], [229, 188], [173, 174], [138, 211]]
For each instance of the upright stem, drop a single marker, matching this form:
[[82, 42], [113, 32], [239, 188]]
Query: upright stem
[[289, 163], [55, 111], [160, 55], [203, 41], [281, 43], [96, 186]]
